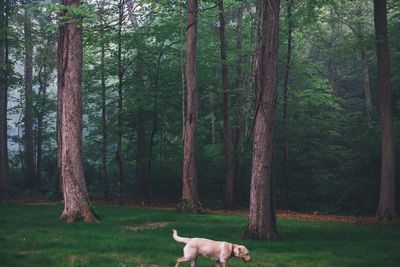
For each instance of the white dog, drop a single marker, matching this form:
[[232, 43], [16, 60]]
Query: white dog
[[218, 251]]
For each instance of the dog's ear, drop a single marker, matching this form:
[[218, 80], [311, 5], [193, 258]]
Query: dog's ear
[[241, 250]]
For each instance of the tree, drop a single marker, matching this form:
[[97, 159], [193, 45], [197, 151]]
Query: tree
[[28, 117], [141, 147], [262, 221], [189, 183], [76, 199], [4, 169], [227, 120], [387, 198]]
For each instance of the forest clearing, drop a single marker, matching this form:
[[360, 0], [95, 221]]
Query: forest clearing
[[272, 124], [33, 235]]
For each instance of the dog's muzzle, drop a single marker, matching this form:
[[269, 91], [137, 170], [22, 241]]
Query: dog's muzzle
[[246, 258]]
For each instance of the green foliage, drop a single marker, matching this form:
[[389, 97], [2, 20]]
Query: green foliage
[[334, 152]]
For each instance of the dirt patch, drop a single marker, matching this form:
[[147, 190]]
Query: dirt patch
[[315, 217], [146, 226], [72, 258]]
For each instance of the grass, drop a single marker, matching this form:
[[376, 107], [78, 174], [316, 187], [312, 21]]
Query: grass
[[32, 235]]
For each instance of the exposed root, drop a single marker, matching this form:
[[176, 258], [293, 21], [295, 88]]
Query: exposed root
[[85, 214]]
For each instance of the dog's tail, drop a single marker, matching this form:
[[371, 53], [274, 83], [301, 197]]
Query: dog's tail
[[178, 238]]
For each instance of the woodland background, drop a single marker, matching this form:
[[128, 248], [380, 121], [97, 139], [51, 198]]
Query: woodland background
[[332, 121]]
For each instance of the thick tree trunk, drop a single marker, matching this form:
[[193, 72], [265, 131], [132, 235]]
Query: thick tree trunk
[[28, 112], [4, 169], [226, 111], [76, 199], [262, 222], [189, 186], [387, 198], [285, 105]]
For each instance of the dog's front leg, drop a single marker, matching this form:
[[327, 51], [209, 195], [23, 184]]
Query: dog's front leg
[[224, 264], [179, 260]]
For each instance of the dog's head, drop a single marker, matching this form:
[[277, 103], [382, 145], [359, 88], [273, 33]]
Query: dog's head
[[241, 252]]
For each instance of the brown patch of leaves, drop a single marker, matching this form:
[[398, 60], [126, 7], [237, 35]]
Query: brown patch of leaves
[[316, 217], [146, 226]]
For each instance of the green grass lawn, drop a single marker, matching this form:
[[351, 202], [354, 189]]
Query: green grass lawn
[[32, 235]]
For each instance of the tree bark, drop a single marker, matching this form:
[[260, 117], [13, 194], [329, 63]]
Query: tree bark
[[4, 168], [28, 112], [189, 185], [226, 111], [285, 105], [76, 199], [262, 222], [387, 198]]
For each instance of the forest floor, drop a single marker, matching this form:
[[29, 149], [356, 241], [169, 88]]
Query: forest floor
[[284, 214], [31, 234]]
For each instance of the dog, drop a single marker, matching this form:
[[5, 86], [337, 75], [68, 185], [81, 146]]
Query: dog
[[219, 251]]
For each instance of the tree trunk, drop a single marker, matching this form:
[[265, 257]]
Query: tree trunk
[[40, 116], [28, 112], [285, 105], [155, 121], [103, 118], [227, 122], [189, 186], [141, 153], [387, 198], [76, 199], [262, 222], [239, 104], [4, 169], [118, 155]]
